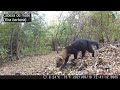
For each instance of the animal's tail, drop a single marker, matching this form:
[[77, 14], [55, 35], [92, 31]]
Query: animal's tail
[[95, 43]]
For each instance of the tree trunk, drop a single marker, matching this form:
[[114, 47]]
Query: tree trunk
[[55, 44], [18, 42]]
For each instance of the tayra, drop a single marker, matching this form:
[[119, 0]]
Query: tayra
[[82, 45]]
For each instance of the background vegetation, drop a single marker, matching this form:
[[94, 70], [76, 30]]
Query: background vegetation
[[18, 40]]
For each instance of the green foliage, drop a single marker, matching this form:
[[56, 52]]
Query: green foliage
[[3, 54], [45, 50], [35, 38]]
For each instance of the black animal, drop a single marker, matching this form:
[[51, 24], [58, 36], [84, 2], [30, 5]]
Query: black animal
[[82, 45]]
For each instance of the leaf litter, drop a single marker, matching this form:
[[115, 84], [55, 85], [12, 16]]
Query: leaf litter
[[105, 62]]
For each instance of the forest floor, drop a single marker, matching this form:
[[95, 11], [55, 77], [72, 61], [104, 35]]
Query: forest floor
[[105, 62]]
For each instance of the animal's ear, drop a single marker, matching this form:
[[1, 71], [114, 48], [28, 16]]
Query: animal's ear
[[60, 59]]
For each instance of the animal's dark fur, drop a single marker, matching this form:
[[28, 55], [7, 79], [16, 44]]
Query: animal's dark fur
[[79, 45]]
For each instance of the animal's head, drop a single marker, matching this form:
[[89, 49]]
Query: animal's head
[[59, 61]]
